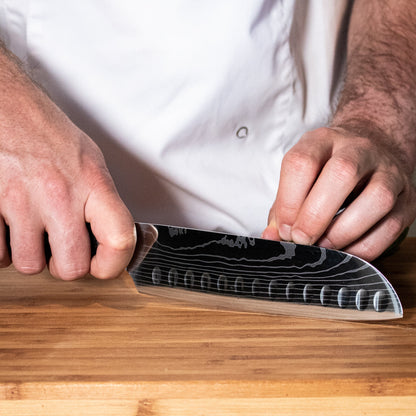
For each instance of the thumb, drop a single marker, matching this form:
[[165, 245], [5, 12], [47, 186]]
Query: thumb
[[271, 231], [113, 227]]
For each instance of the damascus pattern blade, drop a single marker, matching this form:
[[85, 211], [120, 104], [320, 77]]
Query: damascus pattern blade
[[249, 274]]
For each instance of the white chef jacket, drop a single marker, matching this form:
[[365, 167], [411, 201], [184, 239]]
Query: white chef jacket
[[193, 103]]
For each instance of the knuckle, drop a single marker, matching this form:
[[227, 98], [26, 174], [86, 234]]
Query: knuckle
[[313, 215], [299, 160], [122, 238], [122, 242], [287, 211], [320, 133], [395, 225], [385, 197], [298, 157], [15, 201], [368, 251], [344, 168], [56, 189]]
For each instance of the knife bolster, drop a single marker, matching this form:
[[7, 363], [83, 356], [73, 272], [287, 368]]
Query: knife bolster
[[146, 236]]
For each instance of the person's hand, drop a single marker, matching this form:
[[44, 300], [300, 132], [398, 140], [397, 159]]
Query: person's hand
[[320, 172], [53, 179]]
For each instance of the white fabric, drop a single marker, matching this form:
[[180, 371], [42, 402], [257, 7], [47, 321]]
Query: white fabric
[[164, 88]]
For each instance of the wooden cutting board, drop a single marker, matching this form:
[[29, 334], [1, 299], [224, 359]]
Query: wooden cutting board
[[95, 347]]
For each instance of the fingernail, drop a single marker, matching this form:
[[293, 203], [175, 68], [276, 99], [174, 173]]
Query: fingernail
[[285, 232], [325, 243], [299, 237], [270, 233]]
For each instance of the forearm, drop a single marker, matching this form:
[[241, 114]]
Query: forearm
[[20, 98], [379, 100], [12, 73]]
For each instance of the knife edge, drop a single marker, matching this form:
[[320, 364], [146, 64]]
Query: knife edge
[[239, 304]]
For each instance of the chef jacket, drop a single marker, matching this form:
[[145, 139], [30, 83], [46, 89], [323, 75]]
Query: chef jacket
[[193, 103]]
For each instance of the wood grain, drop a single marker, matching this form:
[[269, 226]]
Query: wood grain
[[98, 347]]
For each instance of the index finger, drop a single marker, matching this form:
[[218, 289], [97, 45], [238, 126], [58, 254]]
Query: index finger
[[300, 168], [342, 173]]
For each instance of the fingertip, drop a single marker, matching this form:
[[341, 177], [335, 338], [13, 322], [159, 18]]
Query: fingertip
[[30, 268], [270, 233], [70, 252], [104, 272], [67, 272], [114, 252], [25, 249], [324, 242], [285, 232], [300, 237]]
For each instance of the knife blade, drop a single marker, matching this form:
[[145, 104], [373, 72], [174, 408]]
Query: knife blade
[[252, 274]]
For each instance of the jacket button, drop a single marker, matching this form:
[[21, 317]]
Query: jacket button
[[242, 132]]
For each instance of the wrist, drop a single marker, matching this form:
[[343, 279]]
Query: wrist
[[379, 118]]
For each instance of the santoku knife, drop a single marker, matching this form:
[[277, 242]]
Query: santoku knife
[[251, 274]]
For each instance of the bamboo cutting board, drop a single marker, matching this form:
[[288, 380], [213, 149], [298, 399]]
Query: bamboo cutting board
[[99, 348]]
